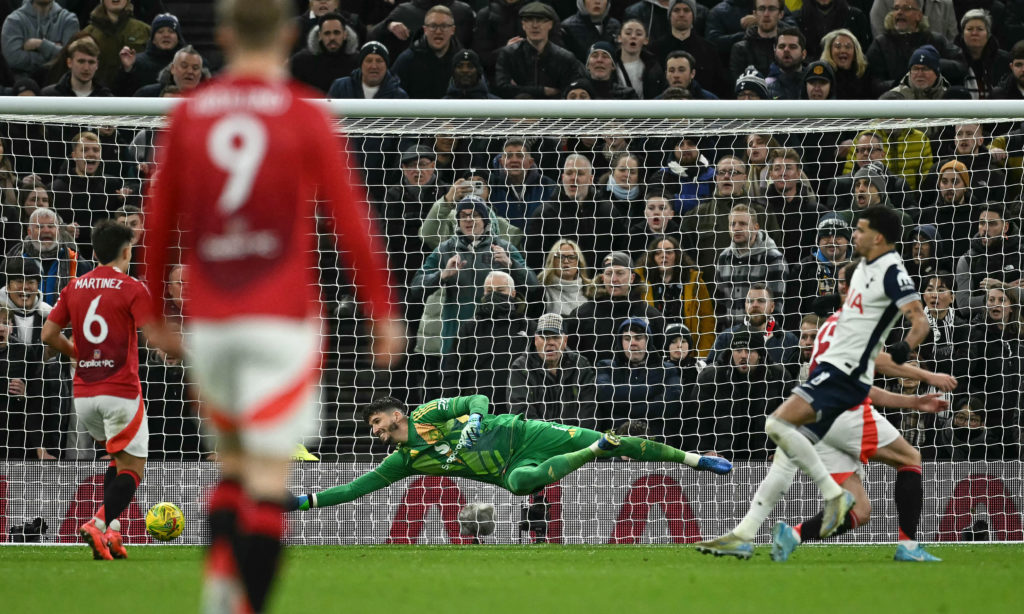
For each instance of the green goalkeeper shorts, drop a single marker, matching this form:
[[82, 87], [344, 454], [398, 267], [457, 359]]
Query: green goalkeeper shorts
[[537, 441]]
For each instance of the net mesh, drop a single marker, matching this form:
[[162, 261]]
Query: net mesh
[[654, 342]]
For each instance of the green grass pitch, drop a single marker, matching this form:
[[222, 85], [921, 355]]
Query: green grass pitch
[[985, 579]]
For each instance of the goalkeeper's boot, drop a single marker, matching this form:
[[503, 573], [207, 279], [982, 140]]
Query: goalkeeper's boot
[[92, 535], [609, 441], [727, 545], [114, 542], [835, 511], [916, 555], [714, 464], [784, 542]]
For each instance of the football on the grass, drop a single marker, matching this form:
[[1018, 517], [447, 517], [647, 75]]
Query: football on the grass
[[165, 521]]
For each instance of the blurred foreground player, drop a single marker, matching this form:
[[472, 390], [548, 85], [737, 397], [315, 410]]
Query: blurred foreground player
[[241, 165], [105, 308]]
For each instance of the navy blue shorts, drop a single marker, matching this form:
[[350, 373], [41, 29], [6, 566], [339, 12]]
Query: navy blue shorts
[[830, 392]]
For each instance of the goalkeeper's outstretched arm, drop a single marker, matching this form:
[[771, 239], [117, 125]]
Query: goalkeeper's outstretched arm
[[390, 471]]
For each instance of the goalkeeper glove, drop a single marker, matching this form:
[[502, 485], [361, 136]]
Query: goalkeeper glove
[[300, 502], [470, 432], [900, 352]]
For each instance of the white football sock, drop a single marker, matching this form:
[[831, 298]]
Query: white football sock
[[769, 493], [801, 452]]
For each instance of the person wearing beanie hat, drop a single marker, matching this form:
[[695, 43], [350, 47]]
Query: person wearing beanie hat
[[467, 77], [604, 76], [139, 70], [632, 382], [535, 67], [686, 22], [869, 186], [819, 82], [425, 67], [751, 86], [372, 79], [988, 65], [25, 87], [590, 24], [951, 209], [924, 80], [818, 271], [899, 45], [330, 52], [580, 89]]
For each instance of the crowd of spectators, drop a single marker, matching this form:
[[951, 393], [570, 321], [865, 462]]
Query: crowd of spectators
[[656, 284]]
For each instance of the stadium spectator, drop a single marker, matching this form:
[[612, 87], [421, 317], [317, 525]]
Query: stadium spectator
[[845, 55], [987, 64], [756, 148], [871, 186], [576, 213], [940, 15], [683, 367], [905, 154], [763, 318], [790, 200], [808, 331], [680, 73], [405, 207], [139, 69], [330, 52], [905, 31], [372, 79], [113, 27], [604, 75], [785, 74], [1013, 87], [631, 385], [565, 280], [988, 180], [688, 176], [818, 272], [32, 194], [751, 257], [963, 436], [425, 67], [945, 348], [535, 67], [308, 21], [184, 74], [83, 194], [439, 223], [623, 186], [924, 80], [41, 384], [467, 78], [757, 47], [922, 258], [552, 382], [675, 287], [82, 78], [458, 268], [518, 189], [21, 382], [734, 395], [995, 363], [592, 327], [816, 18], [994, 259], [58, 262], [590, 24], [709, 222], [951, 209], [486, 345], [751, 86], [682, 35], [637, 67], [33, 35], [659, 220], [496, 24], [396, 31], [727, 24]]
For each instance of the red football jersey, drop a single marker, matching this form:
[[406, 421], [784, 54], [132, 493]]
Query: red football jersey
[[823, 339], [240, 168], [105, 308]]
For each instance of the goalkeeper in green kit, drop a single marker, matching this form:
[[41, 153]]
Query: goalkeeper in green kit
[[457, 437]]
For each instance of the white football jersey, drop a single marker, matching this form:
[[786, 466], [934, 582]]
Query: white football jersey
[[876, 292]]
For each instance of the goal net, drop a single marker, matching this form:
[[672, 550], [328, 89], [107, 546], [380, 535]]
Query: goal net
[[653, 268]]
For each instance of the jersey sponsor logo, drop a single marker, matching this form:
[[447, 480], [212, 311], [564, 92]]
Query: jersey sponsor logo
[[905, 283], [820, 378], [855, 300], [236, 245], [98, 283], [91, 364]]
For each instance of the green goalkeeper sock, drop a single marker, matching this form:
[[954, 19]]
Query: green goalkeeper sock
[[642, 449], [525, 480]]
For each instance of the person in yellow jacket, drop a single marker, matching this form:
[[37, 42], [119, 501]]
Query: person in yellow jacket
[[908, 153]]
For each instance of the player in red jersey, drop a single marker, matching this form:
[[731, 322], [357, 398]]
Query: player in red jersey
[[239, 169], [105, 308]]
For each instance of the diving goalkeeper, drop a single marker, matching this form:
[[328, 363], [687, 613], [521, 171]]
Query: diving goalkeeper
[[457, 437]]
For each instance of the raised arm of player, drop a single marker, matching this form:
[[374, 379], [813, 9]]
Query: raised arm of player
[[52, 337], [942, 381], [913, 311], [442, 410], [358, 234], [388, 472], [928, 403]]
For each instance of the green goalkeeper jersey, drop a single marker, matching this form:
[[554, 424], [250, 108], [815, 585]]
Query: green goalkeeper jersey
[[433, 448]]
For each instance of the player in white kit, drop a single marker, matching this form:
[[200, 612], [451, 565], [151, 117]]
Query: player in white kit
[[857, 436], [879, 291]]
